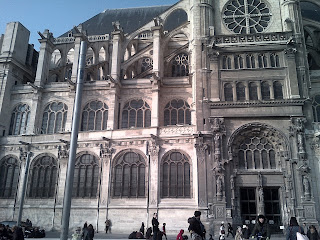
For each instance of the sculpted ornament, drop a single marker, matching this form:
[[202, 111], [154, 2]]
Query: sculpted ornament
[[153, 147], [63, 151], [106, 150], [201, 148]]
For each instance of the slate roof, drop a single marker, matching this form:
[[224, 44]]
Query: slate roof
[[130, 19]]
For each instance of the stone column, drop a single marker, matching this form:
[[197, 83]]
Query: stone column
[[106, 152], [63, 156], [157, 60], [214, 94], [153, 174], [117, 37], [46, 49]]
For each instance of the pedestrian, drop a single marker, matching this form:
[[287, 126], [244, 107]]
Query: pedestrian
[[246, 232], [164, 230], [313, 233], [210, 238], [180, 235], [88, 232], [155, 226], [222, 231], [142, 228], [292, 229], [107, 223], [17, 233], [261, 229], [238, 234], [196, 228], [230, 230], [148, 233]]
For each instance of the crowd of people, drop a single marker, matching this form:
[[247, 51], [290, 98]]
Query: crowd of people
[[14, 233]]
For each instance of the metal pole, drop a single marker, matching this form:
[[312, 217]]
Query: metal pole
[[24, 186], [73, 144]]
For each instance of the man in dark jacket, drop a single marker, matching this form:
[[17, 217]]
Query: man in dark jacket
[[155, 226], [196, 227], [261, 229]]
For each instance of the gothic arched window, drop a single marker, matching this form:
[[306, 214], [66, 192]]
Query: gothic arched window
[[177, 111], [19, 119], [316, 108], [265, 91], [9, 176], [277, 88], [175, 176], [238, 62], [256, 153], [136, 113], [250, 60], [54, 118], [253, 91], [129, 176], [241, 92], [274, 60], [262, 61], [43, 178], [228, 92], [226, 62], [86, 177], [180, 65], [94, 116]]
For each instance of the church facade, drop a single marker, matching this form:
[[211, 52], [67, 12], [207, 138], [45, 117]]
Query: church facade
[[204, 105]]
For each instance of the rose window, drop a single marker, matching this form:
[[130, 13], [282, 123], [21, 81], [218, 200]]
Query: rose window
[[246, 16]]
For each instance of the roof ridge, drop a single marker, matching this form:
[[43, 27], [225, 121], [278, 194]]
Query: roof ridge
[[113, 9]]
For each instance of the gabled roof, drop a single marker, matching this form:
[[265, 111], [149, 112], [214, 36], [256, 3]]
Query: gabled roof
[[130, 19]]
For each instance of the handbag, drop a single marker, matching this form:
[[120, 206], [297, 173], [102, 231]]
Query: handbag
[[301, 236]]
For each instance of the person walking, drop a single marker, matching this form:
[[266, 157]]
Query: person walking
[[230, 230], [164, 230], [196, 228], [90, 232], [238, 234], [292, 229], [155, 226], [107, 223], [313, 233], [261, 229], [222, 232]]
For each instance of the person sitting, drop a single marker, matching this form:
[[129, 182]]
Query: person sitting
[[149, 233], [180, 235], [313, 233]]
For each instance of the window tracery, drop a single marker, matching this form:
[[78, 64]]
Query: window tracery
[[9, 177], [86, 177], [177, 111], [43, 178], [94, 116], [246, 16], [180, 65], [228, 92], [175, 176], [129, 175], [136, 113], [54, 118], [19, 119]]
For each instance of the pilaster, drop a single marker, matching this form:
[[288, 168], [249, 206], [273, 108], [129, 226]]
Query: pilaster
[[153, 152], [46, 49], [117, 37]]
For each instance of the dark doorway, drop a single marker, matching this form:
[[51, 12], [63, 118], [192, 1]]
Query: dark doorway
[[248, 204], [272, 208]]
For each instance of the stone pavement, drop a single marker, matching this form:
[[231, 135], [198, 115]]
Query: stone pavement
[[55, 235]]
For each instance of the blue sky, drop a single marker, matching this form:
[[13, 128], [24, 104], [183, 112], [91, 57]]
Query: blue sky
[[60, 15]]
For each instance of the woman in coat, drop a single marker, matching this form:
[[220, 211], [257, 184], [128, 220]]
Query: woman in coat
[[293, 229]]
